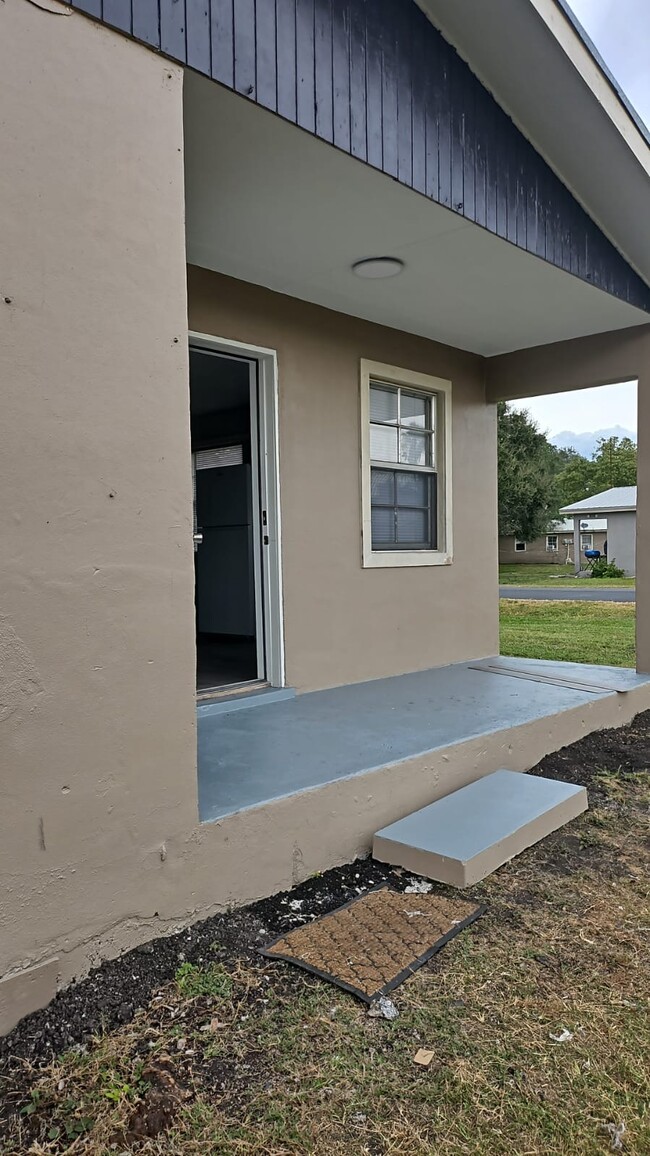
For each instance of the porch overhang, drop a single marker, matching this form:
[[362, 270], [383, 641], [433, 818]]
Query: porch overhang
[[270, 204], [382, 83]]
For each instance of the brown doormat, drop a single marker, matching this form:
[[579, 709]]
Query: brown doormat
[[375, 942]]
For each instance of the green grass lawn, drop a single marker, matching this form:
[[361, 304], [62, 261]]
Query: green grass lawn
[[521, 575], [598, 632]]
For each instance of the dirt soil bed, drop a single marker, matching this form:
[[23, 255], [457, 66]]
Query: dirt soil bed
[[538, 1016]]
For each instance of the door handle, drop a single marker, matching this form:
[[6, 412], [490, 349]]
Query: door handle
[[197, 538]]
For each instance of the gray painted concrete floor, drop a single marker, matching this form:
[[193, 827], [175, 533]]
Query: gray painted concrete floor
[[252, 756], [570, 593]]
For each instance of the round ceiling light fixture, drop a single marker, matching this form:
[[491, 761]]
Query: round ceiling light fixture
[[374, 268]]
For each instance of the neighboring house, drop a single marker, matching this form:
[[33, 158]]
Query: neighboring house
[[557, 546], [266, 270], [618, 506]]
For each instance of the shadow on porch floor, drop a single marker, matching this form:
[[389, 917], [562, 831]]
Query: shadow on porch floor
[[250, 757]]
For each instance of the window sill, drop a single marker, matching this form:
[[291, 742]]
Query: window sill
[[375, 558]]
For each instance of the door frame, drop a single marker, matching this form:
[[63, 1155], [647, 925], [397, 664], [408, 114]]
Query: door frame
[[270, 539]]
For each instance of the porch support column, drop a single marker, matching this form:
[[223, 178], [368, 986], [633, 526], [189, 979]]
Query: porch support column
[[643, 522], [577, 564]]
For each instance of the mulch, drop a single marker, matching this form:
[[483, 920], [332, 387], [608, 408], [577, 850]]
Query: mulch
[[112, 993]]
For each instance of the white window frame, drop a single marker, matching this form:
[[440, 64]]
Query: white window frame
[[408, 379], [552, 549], [520, 546], [586, 534]]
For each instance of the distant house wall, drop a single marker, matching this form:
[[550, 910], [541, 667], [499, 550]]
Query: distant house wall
[[536, 552], [621, 540]]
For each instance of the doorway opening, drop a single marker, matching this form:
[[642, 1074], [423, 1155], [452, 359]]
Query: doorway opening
[[228, 517]]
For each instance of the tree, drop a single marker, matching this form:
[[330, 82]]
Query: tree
[[615, 462], [528, 469], [577, 481]]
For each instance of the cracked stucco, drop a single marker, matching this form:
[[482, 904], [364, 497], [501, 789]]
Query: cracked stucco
[[19, 678]]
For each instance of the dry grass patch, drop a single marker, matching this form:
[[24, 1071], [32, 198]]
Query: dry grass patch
[[252, 1058]]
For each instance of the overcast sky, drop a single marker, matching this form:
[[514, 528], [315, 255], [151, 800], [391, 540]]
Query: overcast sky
[[620, 30]]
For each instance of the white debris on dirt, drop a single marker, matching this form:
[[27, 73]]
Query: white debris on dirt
[[383, 1008], [562, 1037], [296, 904], [418, 887], [615, 1133]]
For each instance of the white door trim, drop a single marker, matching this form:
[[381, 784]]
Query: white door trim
[[258, 506], [269, 475]]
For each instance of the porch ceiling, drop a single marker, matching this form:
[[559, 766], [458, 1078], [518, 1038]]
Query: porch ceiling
[[268, 203]]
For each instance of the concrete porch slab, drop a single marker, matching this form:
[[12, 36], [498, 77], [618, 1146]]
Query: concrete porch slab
[[253, 757], [466, 835]]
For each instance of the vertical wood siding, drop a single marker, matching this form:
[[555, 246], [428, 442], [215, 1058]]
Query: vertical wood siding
[[376, 79]]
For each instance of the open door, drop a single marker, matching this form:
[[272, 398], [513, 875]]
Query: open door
[[227, 521]]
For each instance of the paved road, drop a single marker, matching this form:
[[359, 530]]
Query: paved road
[[586, 593]]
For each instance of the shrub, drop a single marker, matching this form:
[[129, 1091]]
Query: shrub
[[602, 568]]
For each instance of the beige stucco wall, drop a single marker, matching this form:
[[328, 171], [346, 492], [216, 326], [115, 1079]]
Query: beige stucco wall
[[580, 363], [344, 623], [97, 715]]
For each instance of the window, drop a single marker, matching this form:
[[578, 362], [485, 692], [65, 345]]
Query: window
[[519, 546], [586, 541], [551, 543], [405, 461], [402, 495]]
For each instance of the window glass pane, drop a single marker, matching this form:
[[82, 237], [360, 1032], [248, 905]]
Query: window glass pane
[[382, 487], [383, 443], [383, 404], [414, 448], [414, 411], [412, 489], [413, 526], [383, 526]]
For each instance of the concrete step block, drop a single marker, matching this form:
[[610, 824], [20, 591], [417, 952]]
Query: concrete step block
[[465, 836]]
